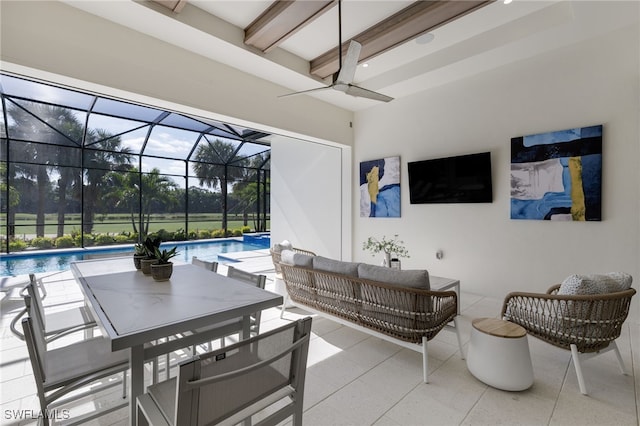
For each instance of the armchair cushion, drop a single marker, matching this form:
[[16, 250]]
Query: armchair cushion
[[595, 284], [418, 278]]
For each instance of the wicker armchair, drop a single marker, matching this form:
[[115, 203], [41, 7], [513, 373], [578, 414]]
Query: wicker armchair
[[587, 325]]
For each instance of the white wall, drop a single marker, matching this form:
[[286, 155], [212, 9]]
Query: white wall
[[586, 84], [310, 200]]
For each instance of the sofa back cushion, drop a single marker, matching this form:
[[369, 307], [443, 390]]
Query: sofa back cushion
[[296, 259], [415, 278], [596, 283], [336, 266]]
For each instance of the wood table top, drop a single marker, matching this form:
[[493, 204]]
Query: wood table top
[[499, 328]]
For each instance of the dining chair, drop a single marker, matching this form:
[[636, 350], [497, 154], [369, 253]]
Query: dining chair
[[232, 384], [211, 266], [70, 368], [258, 280], [225, 329], [55, 324]]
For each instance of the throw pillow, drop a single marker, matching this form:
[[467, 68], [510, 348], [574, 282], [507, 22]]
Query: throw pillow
[[416, 278], [596, 283], [336, 266], [279, 247]]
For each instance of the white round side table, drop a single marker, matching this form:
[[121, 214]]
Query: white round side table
[[498, 354]]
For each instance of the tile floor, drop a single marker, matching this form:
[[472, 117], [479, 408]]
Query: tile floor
[[355, 379]]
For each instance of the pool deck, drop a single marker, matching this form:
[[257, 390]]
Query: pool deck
[[255, 261]]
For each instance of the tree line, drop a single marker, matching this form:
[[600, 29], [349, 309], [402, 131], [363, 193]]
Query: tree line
[[57, 165]]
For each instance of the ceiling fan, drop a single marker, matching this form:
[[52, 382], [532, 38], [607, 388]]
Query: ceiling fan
[[344, 77]]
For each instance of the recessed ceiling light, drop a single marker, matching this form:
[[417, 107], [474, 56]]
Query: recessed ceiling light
[[425, 38], [507, 1], [365, 65]]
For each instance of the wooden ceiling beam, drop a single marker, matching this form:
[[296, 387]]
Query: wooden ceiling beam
[[414, 20], [283, 19], [175, 5]]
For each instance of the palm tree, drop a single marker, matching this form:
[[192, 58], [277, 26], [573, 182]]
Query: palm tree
[[13, 196], [108, 155], [212, 167], [158, 191], [247, 190], [61, 132], [123, 192], [47, 126], [67, 175]]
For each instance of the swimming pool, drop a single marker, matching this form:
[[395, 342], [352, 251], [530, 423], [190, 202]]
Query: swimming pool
[[59, 260]]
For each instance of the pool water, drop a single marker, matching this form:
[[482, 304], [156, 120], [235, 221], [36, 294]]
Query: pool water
[[57, 260]]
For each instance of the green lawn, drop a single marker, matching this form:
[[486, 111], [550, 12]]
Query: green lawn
[[116, 224]]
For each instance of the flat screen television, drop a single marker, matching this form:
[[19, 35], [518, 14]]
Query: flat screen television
[[460, 179]]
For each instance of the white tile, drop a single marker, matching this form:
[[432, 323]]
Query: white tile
[[356, 379], [355, 403], [573, 408], [497, 407]]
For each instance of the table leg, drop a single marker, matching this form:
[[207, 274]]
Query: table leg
[[246, 327], [137, 380]]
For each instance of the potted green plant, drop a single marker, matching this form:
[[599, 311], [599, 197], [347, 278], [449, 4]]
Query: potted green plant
[[162, 269], [138, 254], [150, 247], [389, 247]]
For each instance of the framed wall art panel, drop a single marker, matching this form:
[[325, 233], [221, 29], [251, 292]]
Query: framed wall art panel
[[380, 188], [557, 175]]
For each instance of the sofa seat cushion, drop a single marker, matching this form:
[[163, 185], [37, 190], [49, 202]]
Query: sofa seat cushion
[[296, 259], [414, 278], [335, 266], [596, 283]]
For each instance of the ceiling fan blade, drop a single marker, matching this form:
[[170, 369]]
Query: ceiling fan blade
[[348, 70], [317, 89], [366, 93]]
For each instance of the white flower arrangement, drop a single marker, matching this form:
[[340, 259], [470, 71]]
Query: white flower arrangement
[[391, 246]]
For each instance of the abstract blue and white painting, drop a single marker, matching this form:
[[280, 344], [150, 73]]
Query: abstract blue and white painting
[[380, 188], [557, 175]]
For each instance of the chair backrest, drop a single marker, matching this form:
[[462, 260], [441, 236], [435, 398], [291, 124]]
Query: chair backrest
[[36, 307], [37, 347], [232, 383], [590, 321], [210, 266], [258, 280]]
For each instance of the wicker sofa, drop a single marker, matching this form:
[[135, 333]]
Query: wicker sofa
[[397, 306]]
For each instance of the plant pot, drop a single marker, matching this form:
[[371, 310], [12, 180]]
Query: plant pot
[[145, 265], [161, 271], [136, 260]]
